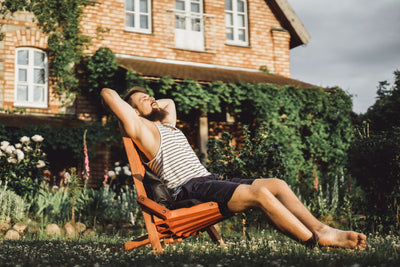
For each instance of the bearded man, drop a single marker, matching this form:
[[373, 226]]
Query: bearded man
[[151, 124]]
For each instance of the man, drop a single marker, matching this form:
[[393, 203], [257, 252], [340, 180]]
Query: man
[[151, 124]]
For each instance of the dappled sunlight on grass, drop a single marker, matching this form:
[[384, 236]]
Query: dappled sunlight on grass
[[263, 249]]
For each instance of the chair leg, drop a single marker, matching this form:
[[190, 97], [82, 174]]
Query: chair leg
[[153, 234], [215, 237]]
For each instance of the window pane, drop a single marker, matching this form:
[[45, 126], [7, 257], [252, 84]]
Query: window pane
[[242, 36], [241, 20], [23, 57], [228, 5], [180, 22], [196, 25], [228, 19], [130, 20], [194, 7], [38, 76], [240, 6], [144, 22], [38, 94], [143, 6], [22, 75], [22, 93], [38, 59], [180, 5], [229, 33], [130, 5]]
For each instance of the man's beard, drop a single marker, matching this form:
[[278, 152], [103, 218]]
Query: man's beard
[[156, 115]]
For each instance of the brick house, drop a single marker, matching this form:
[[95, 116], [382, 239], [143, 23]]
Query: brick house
[[203, 40]]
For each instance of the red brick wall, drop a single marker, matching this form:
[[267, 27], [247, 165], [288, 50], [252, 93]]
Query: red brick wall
[[263, 49]]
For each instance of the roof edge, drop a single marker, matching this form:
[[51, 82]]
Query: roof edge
[[291, 22]]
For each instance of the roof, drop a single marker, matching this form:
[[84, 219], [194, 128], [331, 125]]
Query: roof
[[290, 22], [203, 72]]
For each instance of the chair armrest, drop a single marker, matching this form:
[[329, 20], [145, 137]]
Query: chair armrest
[[154, 207]]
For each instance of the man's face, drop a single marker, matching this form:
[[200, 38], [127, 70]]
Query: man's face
[[147, 107]]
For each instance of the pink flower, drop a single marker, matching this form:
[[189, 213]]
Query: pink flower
[[85, 152]]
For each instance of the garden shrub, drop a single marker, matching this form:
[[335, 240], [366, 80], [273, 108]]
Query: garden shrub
[[22, 165], [375, 164], [13, 207]]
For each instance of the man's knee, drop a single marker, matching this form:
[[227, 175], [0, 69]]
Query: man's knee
[[248, 196]]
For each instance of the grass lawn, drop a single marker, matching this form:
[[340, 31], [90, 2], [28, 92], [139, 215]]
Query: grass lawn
[[262, 249]]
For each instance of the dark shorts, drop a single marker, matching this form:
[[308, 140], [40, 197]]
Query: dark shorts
[[212, 188]]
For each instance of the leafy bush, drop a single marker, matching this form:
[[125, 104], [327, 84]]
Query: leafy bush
[[13, 207], [22, 165], [256, 158], [375, 163]]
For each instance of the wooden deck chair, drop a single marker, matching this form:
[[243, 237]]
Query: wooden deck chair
[[165, 225]]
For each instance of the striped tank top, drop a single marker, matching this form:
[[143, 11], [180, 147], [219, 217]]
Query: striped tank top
[[175, 162]]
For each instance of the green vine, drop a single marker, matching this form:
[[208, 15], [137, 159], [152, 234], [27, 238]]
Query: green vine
[[60, 20], [311, 127]]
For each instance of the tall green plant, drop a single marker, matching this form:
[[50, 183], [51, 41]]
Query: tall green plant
[[13, 207]]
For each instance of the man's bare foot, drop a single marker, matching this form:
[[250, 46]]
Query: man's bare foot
[[337, 238]]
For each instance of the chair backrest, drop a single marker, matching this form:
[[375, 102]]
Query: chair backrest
[[137, 168]]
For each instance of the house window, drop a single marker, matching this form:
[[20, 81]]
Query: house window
[[31, 78], [236, 22], [138, 15], [189, 24]]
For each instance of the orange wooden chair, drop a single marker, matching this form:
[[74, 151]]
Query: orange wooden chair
[[165, 225]]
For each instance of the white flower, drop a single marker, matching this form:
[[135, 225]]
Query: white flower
[[111, 174], [20, 154], [127, 171], [10, 149], [18, 146], [40, 164], [1, 154], [37, 138], [4, 145], [27, 148], [67, 177], [12, 160], [117, 170], [116, 163], [24, 139]]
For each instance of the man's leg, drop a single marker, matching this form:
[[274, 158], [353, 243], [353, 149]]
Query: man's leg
[[325, 235], [249, 196]]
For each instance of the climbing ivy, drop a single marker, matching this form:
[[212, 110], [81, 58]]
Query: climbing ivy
[[310, 127], [60, 20]]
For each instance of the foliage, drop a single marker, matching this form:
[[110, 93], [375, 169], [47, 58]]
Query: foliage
[[375, 163], [67, 141], [51, 206], [93, 207], [104, 206], [60, 20], [384, 113], [13, 207], [22, 165], [374, 157], [254, 159]]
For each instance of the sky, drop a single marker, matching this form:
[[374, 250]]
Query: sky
[[354, 45]]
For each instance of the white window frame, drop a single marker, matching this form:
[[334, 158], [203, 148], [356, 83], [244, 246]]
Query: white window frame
[[236, 28], [186, 37], [29, 82], [137, 15]]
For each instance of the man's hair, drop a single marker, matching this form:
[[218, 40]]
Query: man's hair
[[130, 92]]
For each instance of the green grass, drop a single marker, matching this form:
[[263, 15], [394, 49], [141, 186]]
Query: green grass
[[262, 249]]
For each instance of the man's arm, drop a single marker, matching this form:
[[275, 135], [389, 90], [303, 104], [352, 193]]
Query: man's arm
[[124, 112], [169, 106]]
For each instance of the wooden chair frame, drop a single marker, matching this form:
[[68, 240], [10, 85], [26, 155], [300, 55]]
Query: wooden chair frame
[[164, 225]]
